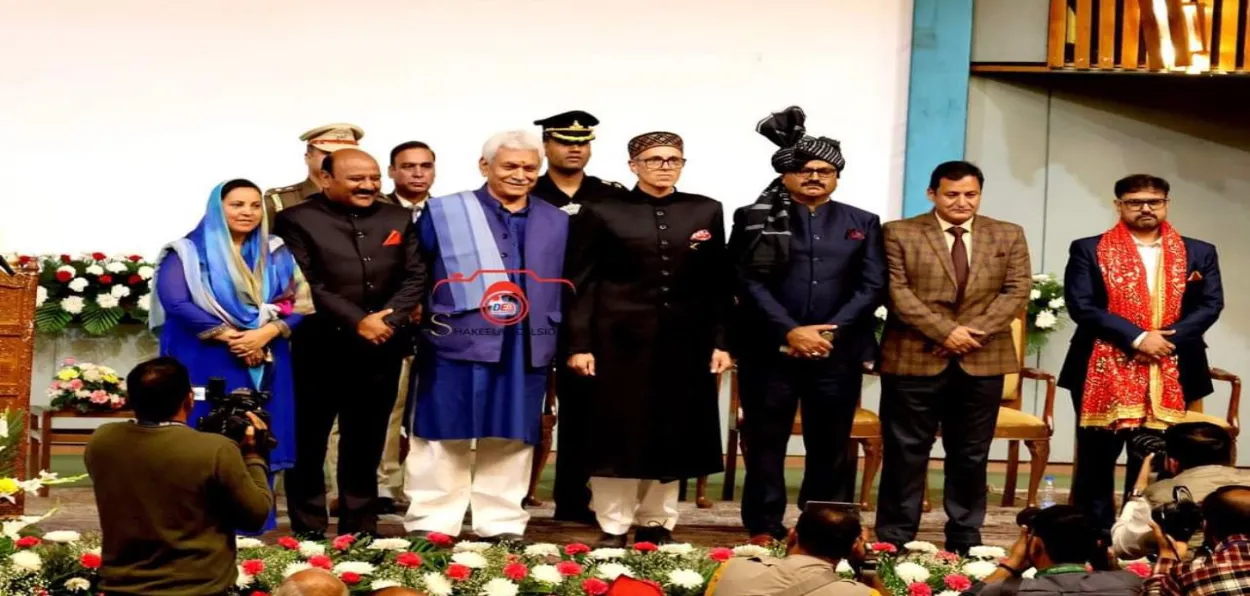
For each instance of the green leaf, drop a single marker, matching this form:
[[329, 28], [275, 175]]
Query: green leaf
[[49, 318], [98, 321]]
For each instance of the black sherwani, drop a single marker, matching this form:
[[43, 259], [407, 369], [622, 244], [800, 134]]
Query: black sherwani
[[357, 261], [654, 286]]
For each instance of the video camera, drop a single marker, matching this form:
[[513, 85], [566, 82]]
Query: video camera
[[228, 415], [1146, 444], [1180, 519]]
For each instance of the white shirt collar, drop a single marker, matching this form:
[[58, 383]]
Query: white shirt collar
[[946, 225]]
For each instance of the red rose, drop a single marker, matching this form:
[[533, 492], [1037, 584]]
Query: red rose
[[957, 582], [90, 560], [28, 542], [106, 279], [135, 258], [720, 555], [134, 279], [343, 542], [288, 543], [919, 589], [515, 571], [458, 572], [66, 260], [253, 566], [884, 547], [439, 539], [350, 578], [99, 256], [320, 561], [22, 260], [259, 593], [575, 549], [568, 568], [595, 586], [409, 560], [64, 276], [645, 547], [1141, 569]]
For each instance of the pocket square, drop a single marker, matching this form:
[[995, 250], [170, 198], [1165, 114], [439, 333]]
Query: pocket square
[[854, 234], [394, 239], [1195, 276]]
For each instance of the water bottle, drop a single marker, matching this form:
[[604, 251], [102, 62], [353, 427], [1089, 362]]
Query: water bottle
[[1048, 492]]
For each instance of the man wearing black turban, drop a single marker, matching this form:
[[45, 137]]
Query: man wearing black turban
[[812, 272]]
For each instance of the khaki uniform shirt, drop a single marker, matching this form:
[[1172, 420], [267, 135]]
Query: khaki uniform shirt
[[766, 576], [277, 199]]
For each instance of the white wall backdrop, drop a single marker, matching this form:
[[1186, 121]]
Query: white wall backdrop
[[122, 115]]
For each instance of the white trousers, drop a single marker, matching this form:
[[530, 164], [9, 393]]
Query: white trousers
[[621, 502], [443, 479]]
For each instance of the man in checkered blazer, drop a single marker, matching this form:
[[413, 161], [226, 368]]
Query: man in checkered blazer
[[956, 282]]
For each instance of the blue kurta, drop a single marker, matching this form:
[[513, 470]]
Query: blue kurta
[[210, 358], [457, 399]]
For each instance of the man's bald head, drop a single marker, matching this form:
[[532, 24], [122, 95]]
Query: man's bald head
[[1226, 513], [351, 177], [399, 592], [312, 582]]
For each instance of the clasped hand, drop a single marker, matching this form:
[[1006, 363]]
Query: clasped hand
[[248, 345], [962, 340], [373, 329], [1154, 346], [806, 342]]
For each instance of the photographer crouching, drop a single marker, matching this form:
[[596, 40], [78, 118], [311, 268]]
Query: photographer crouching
[[1222, 567], [1198, 457], [171, 498]]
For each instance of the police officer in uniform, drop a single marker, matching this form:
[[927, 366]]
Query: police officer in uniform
[[319, 142], [566, 142]]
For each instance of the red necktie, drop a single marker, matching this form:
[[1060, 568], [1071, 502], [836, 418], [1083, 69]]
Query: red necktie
[[959, 258]]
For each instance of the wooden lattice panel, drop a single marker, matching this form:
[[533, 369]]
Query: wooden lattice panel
[[17, 344]]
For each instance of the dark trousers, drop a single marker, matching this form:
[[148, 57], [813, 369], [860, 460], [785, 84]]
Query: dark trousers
[[358, 387], [572, 485], [773, 389], [1093, 486], [912, 409]]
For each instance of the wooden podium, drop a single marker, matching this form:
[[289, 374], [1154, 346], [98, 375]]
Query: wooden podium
[[17, 346]]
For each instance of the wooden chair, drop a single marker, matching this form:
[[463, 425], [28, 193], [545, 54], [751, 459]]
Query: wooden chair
[[42, 435], [865, 433]]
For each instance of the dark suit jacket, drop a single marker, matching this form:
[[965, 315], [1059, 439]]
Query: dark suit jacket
[[1086, 296], [351, 267], [837, 279], [923, 293]]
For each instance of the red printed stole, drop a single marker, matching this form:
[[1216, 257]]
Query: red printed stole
[[1119, 391]]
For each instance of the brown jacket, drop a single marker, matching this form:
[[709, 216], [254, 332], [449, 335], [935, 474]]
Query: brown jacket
[[923, 292]]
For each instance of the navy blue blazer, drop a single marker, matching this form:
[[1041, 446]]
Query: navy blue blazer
[[1086, 296], [836, 275]]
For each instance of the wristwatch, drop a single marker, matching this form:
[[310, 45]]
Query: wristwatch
[[1012, 570]]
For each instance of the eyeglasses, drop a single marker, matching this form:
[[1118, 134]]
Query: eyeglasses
[[822, 173], [1138, 204], [656, 163]]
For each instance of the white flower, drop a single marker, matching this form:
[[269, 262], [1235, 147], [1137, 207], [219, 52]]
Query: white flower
[[146, 272], [1035, 294], [1056, 304], [95, 270], [911, 572], [91, 375], [500, 587], [106, 301], [145, 302], [676, 549], [987, 552], [77, 584], [245, 542], [571, 208], [542, 549], [120, 291], [115, 267], [244, 580], [62, 536], [468, 546], [685, 578], [469, 559], [383, 584], [880, 313], [547, 574], [1042, 277], [979, 570], [72, 305], [357, 567], [4, 433], [82, 394], [1030, 574], [436, 584], [41, 295], [917, 546], [77, 284], [389, 544], [750, 550], [611, 571], [26, 560], [949, 593], [606, 554], [844, 568], [1045, 319], [294, 568], [311, 549]]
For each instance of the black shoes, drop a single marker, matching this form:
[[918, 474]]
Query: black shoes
[[505, 539], [607, 540], [656, 535]]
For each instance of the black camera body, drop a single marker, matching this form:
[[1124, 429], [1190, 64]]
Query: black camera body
[[1180, 519], [228, 415]]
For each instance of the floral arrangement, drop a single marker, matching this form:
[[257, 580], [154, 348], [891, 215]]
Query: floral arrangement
[[87, 388], [93, 291], [52, 564]]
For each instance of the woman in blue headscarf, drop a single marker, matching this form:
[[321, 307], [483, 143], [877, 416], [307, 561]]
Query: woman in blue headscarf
[[228, 297]]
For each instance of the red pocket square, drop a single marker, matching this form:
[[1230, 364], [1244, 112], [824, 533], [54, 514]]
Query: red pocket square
[[1195, 276], [394, 239], [854, 234]]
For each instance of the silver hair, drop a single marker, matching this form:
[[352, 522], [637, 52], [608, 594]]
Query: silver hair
[[292, 587], [513, 139]]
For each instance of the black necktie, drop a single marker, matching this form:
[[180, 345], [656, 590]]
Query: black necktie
[[959, 258]]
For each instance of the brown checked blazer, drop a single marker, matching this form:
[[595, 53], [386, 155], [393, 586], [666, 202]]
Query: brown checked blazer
[[922, 296]]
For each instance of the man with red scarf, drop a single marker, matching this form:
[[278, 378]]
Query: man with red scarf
[[1142, 296]]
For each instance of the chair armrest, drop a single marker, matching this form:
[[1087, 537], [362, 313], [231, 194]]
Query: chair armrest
[[1048, 411], [735, 401], [1234, 398]]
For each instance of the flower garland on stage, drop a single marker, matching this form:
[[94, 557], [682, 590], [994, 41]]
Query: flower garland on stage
[[93, 291]]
